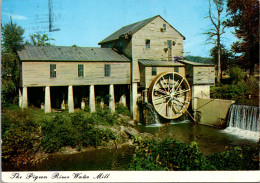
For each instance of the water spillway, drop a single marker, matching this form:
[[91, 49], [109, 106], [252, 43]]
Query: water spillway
[[243, 121], [244, 117]]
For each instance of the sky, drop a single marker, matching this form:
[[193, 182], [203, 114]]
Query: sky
[[87, 22]]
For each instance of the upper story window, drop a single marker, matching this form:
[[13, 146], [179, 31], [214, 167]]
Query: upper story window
[[154, 71], [80, 70], [147, 43], [169, 42], [107, 70], [164, 27], [53, 70]]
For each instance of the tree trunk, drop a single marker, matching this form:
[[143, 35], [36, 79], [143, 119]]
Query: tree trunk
[[219, 59]]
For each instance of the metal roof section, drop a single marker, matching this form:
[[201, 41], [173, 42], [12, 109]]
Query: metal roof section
[[159, 63], [196, 63], [131, 29], [63, 53]]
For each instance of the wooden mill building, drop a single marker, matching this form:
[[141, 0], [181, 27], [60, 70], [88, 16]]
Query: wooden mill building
[[128, 60]]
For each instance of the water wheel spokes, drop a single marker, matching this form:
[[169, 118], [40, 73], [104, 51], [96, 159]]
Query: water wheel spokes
[[169, 93]]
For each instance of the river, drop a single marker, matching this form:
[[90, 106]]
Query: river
[[210, 140]]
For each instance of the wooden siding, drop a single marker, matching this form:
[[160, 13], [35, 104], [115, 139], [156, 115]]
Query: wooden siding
[[158, 42], [148, 78], [126, 46], [203, 75], [38, 73], [142, 75]]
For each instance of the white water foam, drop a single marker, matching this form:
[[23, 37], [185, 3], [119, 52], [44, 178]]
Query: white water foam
[[244, 134], [171, 123], [155, 125], [176, 123]]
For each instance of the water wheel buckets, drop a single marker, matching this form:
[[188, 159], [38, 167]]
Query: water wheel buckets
[[170, 95]]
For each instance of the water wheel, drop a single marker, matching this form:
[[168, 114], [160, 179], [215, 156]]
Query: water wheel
[[170, 95]]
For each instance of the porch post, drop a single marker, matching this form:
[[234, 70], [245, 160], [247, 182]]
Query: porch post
[[25, 98], [112, 98], [133, 101], [47, 101], [70, 99], [20, 98], [92, 104]]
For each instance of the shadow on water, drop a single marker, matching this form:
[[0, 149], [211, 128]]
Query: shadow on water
[[98, 159]]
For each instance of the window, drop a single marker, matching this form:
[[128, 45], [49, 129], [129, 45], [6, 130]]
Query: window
[[107, 70], [164, 27], [53, 70], [176, 69], [154, 71], [120, 43], [147, 43], [169, 42], [80, 70]]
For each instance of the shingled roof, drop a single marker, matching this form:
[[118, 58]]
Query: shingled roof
[[130, 29], [63, 53]]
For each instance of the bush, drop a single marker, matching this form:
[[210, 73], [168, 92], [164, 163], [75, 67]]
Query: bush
[[104, 116], [121, 109], [236, 75], [173, 155], [75, 130], [253, 85], [236, 159], [57, 133], [20, 136], [168, 155], [241, 91]]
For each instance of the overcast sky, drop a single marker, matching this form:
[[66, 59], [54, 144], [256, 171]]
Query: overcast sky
[[87, 22]]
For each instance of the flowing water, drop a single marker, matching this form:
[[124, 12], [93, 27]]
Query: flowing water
[[210, 140], [243, 121]]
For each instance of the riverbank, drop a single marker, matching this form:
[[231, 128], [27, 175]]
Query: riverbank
[[30, 136], [124, 136]]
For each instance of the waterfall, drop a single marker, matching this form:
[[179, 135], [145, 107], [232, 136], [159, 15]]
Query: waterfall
[[244, 117], [243, 121], [155, 120]]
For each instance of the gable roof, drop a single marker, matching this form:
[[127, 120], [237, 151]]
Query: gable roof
[[63, 53], [131, 29]]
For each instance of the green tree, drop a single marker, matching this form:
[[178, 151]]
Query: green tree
[[226, 57], [12, 41], [244, 17], [10, 78], [40, 40], [214, 34], [198, 59], [12, 37]]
